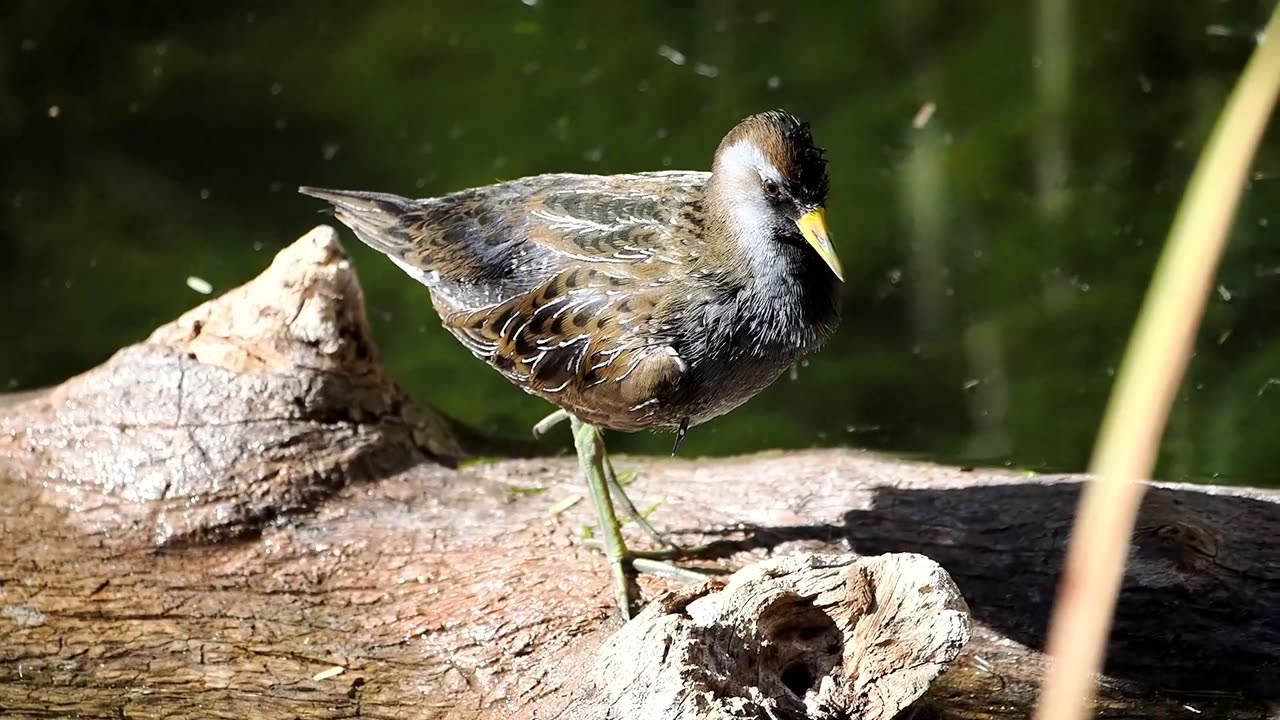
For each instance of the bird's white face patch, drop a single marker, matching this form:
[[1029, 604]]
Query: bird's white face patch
[[745, 160], [752, 216]]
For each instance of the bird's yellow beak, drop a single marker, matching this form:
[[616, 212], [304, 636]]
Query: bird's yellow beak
[[813, 225]]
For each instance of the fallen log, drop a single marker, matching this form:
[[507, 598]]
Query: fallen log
[[245, 516]]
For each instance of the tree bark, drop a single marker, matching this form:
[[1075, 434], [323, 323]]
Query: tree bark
[[245, 516]]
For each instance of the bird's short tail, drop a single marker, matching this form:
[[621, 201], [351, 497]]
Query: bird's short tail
[[381, 220]]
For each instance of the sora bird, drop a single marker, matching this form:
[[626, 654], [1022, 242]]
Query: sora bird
[[652, 300]]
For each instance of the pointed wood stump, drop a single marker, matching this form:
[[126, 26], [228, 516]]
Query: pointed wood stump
[[244, 516]]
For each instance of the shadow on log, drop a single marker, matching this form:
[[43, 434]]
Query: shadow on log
[[245, 516]]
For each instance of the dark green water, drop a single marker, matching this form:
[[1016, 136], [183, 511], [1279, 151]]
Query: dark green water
[[995, 257]]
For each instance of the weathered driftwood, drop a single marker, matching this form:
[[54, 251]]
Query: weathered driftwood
[[244, 516], [806, 636]]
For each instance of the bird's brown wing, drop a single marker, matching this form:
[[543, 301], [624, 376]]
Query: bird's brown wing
[[561, 282], [582, 334], [481, 247]]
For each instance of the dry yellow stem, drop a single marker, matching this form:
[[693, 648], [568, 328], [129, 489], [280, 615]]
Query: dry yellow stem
[[1149, 377]]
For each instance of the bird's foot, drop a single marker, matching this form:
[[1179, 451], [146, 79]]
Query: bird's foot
[[548, 423], [629, 509], [673, 553], [591, 457], [604, 485], [656, 563], [667, 570]]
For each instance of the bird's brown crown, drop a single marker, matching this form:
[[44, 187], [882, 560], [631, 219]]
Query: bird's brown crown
[[787, 143]]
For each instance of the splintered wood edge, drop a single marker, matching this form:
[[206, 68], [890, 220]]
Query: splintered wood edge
[[301, 311], [814, 636]]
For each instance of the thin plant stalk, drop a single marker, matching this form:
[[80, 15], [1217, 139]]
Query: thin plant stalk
[[1153, 367]]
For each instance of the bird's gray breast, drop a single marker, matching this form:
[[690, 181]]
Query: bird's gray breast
[[739, 344]]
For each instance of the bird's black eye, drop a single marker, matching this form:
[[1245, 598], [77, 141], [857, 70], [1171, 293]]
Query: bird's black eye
[[772, 190]]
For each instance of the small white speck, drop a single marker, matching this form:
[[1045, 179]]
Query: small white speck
[[205, 193], [923, 115], [54, 111], [330, 150], [774, 82], [1224, 293], [327, 673], [277, 87], [675, 56], [706, 70], [199, 284]]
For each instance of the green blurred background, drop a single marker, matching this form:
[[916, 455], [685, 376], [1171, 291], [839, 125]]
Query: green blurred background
[[996, 252]]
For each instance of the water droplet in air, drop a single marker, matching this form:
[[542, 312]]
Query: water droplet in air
[[199, 284], [675, 56]]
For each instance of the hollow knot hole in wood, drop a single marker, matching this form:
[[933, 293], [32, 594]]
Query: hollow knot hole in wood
[[799, 645]]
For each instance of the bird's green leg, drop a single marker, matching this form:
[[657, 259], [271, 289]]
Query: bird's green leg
[[546, 424], [590, 446], [629, 508]]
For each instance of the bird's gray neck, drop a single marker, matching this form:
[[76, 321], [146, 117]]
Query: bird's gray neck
[[789, 298]]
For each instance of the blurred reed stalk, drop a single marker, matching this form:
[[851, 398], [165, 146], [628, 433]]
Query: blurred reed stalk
[[1153, 366]]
